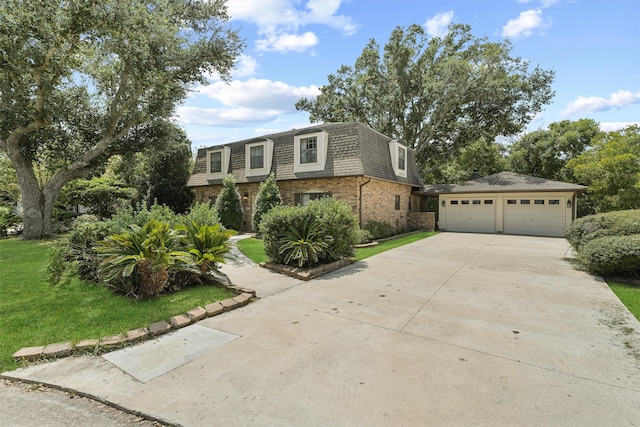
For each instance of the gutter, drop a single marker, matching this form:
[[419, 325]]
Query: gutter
[[360, 200]]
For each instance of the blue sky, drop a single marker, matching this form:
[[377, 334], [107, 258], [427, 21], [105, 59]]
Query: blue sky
[[292, 45]]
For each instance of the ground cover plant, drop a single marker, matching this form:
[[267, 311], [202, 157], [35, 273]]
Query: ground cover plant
[[34, 313]]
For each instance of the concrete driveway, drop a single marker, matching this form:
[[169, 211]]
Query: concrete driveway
[[457, 329]]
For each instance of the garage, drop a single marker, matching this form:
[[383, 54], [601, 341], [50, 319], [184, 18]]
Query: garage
[[506, 203]]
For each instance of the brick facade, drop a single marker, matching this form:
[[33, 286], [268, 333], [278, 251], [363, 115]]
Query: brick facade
[[376, 197]]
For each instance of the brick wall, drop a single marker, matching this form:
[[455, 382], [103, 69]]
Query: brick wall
[[378, 197], [422, 220]]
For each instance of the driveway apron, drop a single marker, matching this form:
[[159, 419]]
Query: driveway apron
[[456, 329]]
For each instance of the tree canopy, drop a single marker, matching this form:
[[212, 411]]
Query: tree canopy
[[81, 80], [611, 169], [436, 94]]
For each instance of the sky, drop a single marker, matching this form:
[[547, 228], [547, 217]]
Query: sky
[[293, 45]]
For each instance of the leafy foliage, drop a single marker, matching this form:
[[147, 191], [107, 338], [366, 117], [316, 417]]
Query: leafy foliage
[[611, 169], [325, 221], [82, 81], [303, 242], [228, 204], [268, 197], [612, 255], [138, 262], [7, 219], [437, 94], [617, 223], [103, 195], [380, 229], [208, 244]]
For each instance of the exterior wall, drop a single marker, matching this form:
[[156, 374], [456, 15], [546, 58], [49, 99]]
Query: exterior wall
[[500, 198], [377, 198], [422, 220]]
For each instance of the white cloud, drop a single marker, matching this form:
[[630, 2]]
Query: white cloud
[[595, 104], [439, 24], [245, 66], [279, 21], [613, 126], [245, 103], [525, 24], [287, 42]]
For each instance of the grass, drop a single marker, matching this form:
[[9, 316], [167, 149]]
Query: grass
[[33, 313], [254, 249], [629, 295]]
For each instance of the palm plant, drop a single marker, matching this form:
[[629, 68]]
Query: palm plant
[[208, 244], [303, 242], [145, 256]]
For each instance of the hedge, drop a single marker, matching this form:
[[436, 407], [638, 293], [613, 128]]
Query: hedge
[[612, 255], [616, 223]]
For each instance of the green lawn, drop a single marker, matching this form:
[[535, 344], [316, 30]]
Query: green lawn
[[629, 295], [33, 313], [254, 249]]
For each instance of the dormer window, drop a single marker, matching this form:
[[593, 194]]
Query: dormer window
[[218, 162], [310, 151], [258, 157], [398, 153]]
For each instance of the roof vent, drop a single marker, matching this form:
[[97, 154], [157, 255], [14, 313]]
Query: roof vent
[[476, 174]]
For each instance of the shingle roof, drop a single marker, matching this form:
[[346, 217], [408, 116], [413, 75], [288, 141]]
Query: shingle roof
[[354, 150], [503, 182]]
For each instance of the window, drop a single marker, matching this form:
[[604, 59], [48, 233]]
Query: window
[[397, 202], [304, 198], [310, 151], [465, 202], [410, 203], [511, 202], [454, 202], [398, 152], [488, 202], [538, 202], [215, 162], [218, 162], [476, 202], [525, 202], [554, 202], [402, 158], [256, 156]]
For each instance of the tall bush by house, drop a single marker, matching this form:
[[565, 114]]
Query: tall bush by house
[[320, 232], [616, 223], [268, 197], [229, 205]]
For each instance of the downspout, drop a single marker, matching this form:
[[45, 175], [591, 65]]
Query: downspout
[[360, 200]]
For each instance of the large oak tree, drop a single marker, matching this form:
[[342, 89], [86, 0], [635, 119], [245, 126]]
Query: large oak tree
[[81, 80], [436, 94]]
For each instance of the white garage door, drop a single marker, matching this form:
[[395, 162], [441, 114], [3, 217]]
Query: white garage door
[[471, 215], [535, 217]]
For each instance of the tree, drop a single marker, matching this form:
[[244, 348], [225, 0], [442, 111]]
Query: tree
[[102, 194], [611, 169], [483, 156], [229, 206], [436, 94], [83, 80], [268, 197], [545, 153]]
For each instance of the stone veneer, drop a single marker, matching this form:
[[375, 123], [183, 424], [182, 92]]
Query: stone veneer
[[370, 198]]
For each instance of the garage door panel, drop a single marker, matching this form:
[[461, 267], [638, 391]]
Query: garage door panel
[[539, 217], [472, 215]]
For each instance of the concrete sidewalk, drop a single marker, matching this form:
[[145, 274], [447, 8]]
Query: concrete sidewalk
[[457, 329]]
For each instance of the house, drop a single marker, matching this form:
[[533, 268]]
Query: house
[[507, 203], [376, 175]]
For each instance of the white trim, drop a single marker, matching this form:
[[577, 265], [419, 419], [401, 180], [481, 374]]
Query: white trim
[[395, 147], [225, 158], [322, 139], [267, 158]]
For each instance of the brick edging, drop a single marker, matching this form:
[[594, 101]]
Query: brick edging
[[307, 274], [102, 345]]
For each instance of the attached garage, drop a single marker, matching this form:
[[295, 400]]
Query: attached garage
[[507, 203]]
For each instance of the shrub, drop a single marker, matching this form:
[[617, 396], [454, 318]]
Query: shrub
[[612, 255], [268, 197], [617, 223], [138, 262], [228, 204], [200, 213], [380, 229], [336, 226], [141, 215], [7, 219]]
